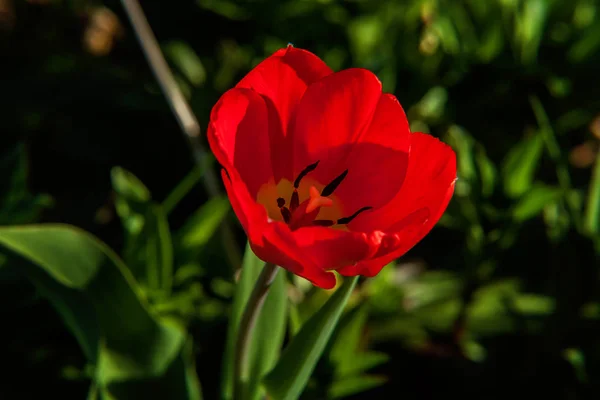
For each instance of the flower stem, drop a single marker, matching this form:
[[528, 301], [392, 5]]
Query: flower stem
[[246, 327], [181, 109]]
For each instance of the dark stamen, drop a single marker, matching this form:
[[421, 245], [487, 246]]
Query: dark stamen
[[294, 201], [346, 220], [286, 214], [305, 171], [333, 184], [280, 202], [323, 222]]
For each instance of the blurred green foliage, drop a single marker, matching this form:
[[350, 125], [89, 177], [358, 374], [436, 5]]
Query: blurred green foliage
[[501, 299]]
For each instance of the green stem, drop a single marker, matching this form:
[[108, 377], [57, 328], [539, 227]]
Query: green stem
[[247, 323]]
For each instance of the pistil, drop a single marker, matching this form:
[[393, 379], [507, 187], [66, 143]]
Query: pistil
[[303, 214]]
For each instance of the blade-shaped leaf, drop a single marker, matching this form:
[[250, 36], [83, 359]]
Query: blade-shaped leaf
[[183, 188], [268, 335], [592, 210], [269, 330], [148, 246], [200, 227], [587, 45], [362, 362], [463, 143], [158, 250], [187, 61], [347, 337], [131, 203], [534, 201], [100, 302], [519, 166], [290, 375], [349, 386], [487, 172], [345, 352], [530, 28], [129, 186]]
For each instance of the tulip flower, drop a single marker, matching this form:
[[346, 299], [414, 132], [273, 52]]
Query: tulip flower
[[322, 170]]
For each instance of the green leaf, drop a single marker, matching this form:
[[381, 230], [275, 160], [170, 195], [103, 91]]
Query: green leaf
[[406, 329], [576, 357], [345, 353], [519, 166], [488, 312], [159, 250], [592, 210], [530, 28], [187, 273], [446, 32], [476, 172], [268, 335], [346, 339], [487, 172], [187, 61], [289, 377], [200, 227], [131, 203], [129, 186], [433, 104], [534, 304], [439, 316], [269, 331], [100, 302], [463, 143], [363, 362], [431, 287], [364, 34], [183, 188], [587, 46], [349, 386], [148, 246], [553, 149], [491, 42], [295, 321], [534, 201]]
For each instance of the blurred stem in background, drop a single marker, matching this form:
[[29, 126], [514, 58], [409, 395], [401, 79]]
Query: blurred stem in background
[[182, 111], [247, 323]]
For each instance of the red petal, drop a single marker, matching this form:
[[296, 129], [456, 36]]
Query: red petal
[[238, 136], [252, 216], [377, 164], [389, 126], [282, 80], [280, 247], [392, 245], [426, 192], [333, 114], [331, 249], [431, 171], [312, 252]]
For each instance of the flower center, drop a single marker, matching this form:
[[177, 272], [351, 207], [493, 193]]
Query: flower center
[[302, 214]]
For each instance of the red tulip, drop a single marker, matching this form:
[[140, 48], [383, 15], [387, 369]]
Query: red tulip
[[322, 170]]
